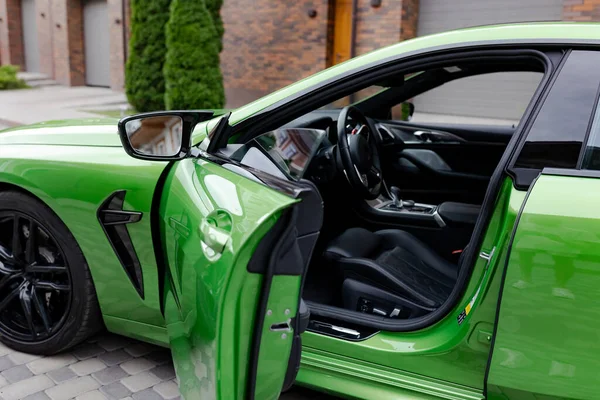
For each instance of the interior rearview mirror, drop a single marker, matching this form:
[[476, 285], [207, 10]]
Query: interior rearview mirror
[[164, 135]]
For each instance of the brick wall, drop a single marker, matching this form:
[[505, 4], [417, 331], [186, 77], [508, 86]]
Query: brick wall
[[11, 34], [269, 44], [67, 16], [60, 39], [391, 22], [376, 27], [45, 32], [409, 19], [117, 52], [127, 23], [581, 10]]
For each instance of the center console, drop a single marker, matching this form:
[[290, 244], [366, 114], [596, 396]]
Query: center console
[[445, 227], [417, 213], [408, 212]]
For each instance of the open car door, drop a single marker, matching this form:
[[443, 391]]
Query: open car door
[[236, 251]]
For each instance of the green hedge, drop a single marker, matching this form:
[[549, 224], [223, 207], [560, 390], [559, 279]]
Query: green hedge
[[8, 78], [144, 81], [192, 71], [214, 7]]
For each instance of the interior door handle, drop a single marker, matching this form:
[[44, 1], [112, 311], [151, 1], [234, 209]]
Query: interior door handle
[[214, 236], [422, 135], [436, 136]]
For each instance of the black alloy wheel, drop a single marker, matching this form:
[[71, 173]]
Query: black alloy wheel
[[35, 283], [48, 300]]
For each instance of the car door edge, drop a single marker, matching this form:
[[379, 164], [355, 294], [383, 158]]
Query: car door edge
[[501, 289]]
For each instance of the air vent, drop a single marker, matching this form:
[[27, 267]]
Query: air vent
[[386, 135], [114, 219]]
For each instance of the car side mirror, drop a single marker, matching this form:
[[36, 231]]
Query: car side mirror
[[160, 136]]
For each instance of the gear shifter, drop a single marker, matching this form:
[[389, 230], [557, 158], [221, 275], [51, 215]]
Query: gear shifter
[[397, 201]]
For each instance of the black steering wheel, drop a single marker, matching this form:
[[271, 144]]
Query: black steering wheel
[[358, 153]]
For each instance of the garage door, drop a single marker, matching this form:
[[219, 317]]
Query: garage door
[[508, 94], [30, 43], [96, 43]]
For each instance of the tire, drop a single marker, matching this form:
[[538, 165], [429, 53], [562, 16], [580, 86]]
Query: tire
[[60, 316]]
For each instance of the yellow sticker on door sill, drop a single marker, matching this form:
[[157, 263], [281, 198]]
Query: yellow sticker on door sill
[[461, 317]]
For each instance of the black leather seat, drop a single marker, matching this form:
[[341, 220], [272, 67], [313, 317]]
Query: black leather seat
[[396, 261]]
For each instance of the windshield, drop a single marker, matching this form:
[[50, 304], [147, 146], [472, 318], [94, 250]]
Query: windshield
[[285, 153]]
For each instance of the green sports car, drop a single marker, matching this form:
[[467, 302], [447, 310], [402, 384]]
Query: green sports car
[[419, 222]]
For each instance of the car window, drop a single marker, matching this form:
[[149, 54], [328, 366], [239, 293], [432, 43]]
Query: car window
[[284, 153], [489, 99], [498, 98], [369, 91], [354, 97], [555, 138], [591, 159]]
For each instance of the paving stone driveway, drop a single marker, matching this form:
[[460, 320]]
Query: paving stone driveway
[[105, 367]]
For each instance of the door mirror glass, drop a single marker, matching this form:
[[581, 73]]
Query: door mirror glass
[[162, 135], [158, 136]]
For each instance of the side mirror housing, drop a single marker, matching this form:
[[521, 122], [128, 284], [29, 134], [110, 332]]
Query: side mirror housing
[[160, 136]]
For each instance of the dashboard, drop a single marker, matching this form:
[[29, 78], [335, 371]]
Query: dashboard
[[301, 149]]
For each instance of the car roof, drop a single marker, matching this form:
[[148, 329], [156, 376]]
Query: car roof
[[522, 33]]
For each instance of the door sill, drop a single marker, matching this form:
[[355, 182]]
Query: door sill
[[137, 330], [350, 377]]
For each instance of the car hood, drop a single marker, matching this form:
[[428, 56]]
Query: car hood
[[99, 132]]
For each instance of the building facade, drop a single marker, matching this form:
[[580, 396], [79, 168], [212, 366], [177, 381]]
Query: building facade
[[267, 44]]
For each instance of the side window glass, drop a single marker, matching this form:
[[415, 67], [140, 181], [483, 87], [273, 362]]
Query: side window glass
[[591, 159], [556, 136], [498, 98]]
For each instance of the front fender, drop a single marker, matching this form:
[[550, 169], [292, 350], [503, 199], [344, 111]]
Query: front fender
[[74, 181]]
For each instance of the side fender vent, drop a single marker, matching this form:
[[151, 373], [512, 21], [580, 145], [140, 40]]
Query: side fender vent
[[114, 221]]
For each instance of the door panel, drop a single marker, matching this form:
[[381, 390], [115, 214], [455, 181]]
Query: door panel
[[212, 222], [434, 163], [546, 343], [273, 338]]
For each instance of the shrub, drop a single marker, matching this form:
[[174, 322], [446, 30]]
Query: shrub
[[8, 78], [192, 72], [144, 81], [214, 7]]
